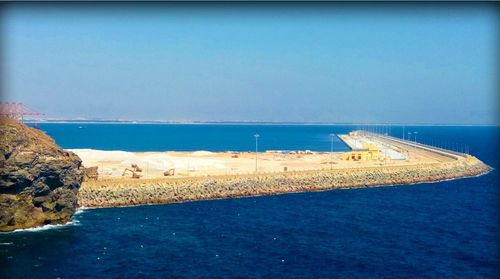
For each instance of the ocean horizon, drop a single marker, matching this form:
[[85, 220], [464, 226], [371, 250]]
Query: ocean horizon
[[249, 122]]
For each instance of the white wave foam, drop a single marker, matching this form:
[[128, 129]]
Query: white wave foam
[[81, 210], [48, 227]]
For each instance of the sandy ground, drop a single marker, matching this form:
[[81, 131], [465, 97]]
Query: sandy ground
[[111, 164]]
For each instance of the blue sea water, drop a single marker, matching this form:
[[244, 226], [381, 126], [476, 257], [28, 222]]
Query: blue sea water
[[447, 229]]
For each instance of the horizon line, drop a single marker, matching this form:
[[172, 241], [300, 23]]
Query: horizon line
[[248, 122]]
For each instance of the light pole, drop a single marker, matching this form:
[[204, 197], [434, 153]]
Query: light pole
[[331, 150], [409, 139], [415, 133], [256, 149]]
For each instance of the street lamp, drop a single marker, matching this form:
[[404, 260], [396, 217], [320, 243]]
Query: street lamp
[[331, 150], [409, 139], [256, 149]]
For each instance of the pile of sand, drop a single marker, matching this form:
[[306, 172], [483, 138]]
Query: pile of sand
[[153, 160], [202, 153]]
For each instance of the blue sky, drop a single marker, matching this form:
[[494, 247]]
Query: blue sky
[[282, 62]]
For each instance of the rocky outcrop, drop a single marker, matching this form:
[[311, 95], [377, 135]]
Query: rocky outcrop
[[39, 181], [123, 192]]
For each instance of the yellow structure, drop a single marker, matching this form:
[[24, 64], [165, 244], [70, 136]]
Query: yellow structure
[[369, 152]]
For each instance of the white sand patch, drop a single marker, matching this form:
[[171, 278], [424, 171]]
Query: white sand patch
[[202, 153], [102, 155], [151, 161]]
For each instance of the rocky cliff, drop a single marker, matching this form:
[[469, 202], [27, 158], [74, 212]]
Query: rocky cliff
[[38, 180]]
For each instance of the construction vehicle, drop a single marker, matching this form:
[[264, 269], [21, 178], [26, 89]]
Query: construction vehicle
[[136, 168], [169, 172], [134, 175]]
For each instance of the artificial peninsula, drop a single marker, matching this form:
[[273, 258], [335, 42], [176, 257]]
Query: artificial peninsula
[[41, 183], [117, 178]]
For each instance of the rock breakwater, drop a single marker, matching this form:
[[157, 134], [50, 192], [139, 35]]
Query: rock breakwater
[[124, 192]]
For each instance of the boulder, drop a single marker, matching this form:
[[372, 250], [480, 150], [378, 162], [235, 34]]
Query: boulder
[[39, 181]]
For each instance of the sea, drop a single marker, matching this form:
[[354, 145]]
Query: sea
[[447, 229]]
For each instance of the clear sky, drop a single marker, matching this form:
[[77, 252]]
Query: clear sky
[[363, 63]]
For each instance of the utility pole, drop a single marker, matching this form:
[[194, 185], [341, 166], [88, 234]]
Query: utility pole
[[331, 151], [256, 149], [409, 139]]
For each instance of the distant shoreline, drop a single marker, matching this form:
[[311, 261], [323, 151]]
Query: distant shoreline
[[159, 122]]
